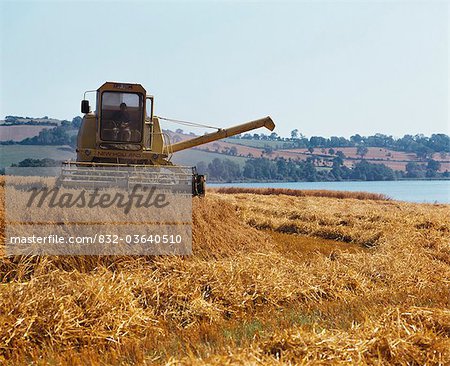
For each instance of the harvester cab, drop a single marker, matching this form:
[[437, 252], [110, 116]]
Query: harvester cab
[[123, 131]]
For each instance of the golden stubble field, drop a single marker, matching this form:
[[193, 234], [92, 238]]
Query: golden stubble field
[[274, 279]]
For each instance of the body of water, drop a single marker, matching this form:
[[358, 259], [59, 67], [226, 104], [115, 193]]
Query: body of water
[[430, 191]]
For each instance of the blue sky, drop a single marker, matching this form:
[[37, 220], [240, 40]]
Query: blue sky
[[325, 68]]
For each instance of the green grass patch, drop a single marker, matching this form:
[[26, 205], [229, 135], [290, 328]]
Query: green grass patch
[[261, 144], [244, 332], [191, 157]]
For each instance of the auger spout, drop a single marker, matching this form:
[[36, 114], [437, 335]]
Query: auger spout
[[222, 133]]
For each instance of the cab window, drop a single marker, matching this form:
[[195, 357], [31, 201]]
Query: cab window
[[121, 117]]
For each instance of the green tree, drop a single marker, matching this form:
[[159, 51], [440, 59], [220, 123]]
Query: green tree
[[433, 167], [415, 170], [310, 172], [76, 122], [423, 152], [233, 151], [202, 167], [364, 170], [362, 151], [268, 150], [340, 154], [224, 170], [38, 163], [356, 139]]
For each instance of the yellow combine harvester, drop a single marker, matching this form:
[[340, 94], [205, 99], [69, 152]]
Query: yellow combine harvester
[[124, 132]]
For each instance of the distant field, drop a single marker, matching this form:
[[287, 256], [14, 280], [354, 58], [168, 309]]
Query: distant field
[[396, 160], [10, 154], [18, 132], [373, 153], [191, 157]]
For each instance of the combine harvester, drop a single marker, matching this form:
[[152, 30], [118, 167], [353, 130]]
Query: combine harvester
[[122, 142]]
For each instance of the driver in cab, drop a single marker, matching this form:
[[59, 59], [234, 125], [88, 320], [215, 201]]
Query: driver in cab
[[122, 121]]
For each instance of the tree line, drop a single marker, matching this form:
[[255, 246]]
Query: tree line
[[29, 121], [419, 144], [280, 169]]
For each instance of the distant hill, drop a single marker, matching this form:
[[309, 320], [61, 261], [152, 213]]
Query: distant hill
[[18, 133], [17, 128], [322, 157], [399, 155]]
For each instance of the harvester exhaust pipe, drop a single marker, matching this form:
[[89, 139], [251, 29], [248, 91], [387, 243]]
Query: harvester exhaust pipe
[[222, 133]]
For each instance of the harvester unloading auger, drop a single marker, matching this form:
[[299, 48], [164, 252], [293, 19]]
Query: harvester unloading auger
[[124, 132]]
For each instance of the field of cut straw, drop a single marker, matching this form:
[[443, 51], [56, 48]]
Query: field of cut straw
[[274, 279]]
